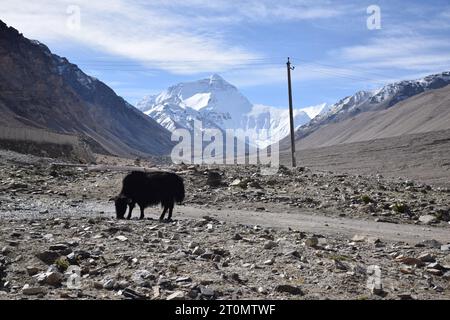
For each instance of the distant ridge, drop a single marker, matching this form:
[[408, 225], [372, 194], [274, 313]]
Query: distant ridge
[[219, 105], [404, 107]]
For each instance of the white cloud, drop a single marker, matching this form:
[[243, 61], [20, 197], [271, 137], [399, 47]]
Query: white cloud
[[384, 48], [183, 37], [388, 58], [190, 37], [127, 29]]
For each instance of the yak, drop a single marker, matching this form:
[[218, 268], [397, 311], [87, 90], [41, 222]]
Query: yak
[[149, 188]]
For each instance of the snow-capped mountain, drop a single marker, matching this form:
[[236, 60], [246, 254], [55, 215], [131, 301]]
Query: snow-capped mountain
[[375, 100], [218, 104], [214, 101], [274, 120]]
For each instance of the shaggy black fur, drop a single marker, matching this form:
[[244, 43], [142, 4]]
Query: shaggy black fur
[[149, 188]]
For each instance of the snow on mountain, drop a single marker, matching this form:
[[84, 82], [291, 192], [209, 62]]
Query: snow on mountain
[[382, 98], [274, 120], [218, 104], [375, 100], [314, 111], [214, 99], [344, 106], [402, 90]]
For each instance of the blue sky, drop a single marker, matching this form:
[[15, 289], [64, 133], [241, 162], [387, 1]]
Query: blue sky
[[142, 47]]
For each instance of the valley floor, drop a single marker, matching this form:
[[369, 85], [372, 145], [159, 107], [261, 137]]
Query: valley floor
[[423, 157], [300, 234]]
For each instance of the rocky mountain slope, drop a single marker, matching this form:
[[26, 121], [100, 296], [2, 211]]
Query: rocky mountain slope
[[400, 108], [42, 90], [426, 112], [220, 105]]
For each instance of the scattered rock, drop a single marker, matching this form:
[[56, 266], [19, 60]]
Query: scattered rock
[[358, 238], [32, 271], [207, 255], [410, 261], [122, 238], [214, 179], [434, 271], [59, 247], [426, 257], [236, 236], [239, 183], [262, 290], [207, 258], [312, 242], [198, 251], [132, 294], [405, 296], [207, 292], [109, 284], [192, 245], [340, 265], [52, 277], [270, 244], [287, 288], [142, 278], [31, 291], [6, 250], [446, 262], [427, 219], [431, 243], [177, 295], [269, 262], [183, 279], [48, 257]]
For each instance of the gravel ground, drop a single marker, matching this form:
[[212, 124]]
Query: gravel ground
[[59, 239]]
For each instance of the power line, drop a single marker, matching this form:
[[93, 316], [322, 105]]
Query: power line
[[341, 68], [229, 64]]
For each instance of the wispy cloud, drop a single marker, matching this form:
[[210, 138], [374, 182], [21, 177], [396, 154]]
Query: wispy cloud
[[183, 37], [412, 52], [194, 37]]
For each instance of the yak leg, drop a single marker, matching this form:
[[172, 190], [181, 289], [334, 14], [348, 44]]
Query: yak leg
[[131, 207], [170, 213], [163, 213], [142, 212]]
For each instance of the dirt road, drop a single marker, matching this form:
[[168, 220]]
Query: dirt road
[[311, 222], [302, 221], [324, 225]]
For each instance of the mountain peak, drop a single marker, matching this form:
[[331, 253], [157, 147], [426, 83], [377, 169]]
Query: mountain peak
[[216, 77], [219, 105]]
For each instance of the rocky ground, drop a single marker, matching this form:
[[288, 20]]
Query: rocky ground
[[54, 226], [424, 157]]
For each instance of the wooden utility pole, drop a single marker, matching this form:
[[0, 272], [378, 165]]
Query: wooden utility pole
[[291, 111]]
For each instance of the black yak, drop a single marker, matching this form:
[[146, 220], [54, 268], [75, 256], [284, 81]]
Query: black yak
[[149, 188]]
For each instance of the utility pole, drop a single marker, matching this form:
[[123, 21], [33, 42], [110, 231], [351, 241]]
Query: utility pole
[[291, 111]]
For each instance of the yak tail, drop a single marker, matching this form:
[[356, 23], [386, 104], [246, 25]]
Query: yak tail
[[179, 192]]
